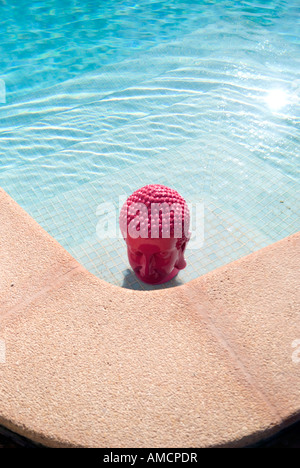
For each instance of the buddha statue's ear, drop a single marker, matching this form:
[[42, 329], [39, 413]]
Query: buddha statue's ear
[[181, 263]]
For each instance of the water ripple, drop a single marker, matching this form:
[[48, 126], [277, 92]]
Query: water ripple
[[79, 110]]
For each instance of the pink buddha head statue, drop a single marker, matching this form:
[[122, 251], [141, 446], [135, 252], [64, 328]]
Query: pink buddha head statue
[[154, 222]]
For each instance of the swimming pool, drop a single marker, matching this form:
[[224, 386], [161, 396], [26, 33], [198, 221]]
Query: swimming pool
[[103, 98]]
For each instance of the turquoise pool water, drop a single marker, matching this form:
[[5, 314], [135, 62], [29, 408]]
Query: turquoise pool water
[[104, 97]]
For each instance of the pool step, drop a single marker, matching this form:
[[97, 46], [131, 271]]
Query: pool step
[[239, 218]]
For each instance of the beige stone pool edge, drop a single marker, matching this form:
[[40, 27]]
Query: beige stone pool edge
[[88, 364]]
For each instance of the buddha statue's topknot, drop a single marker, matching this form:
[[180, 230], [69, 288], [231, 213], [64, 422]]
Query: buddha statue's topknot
[[173, 215]]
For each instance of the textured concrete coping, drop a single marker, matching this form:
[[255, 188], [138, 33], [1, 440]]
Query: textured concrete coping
[[213, 363]]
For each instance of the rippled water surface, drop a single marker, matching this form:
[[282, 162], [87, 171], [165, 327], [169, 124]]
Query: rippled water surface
[[104, 97]]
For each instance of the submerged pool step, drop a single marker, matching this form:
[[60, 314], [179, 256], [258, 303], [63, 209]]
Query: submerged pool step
[[233, 212], [226, 238], [228, 172]]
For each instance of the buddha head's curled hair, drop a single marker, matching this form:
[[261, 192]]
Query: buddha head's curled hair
[[155, 211]]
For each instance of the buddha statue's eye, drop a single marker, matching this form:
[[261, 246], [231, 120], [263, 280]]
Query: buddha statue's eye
[[163, 254], [137, 253], [133, 251]]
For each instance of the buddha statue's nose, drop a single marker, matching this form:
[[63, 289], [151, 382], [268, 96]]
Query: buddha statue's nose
[[147, 265]]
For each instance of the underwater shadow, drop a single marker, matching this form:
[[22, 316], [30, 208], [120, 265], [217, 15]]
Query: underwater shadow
[[130, 281]]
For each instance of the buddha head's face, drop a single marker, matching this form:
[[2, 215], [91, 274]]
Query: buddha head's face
[[154, 222], [155, 260]]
